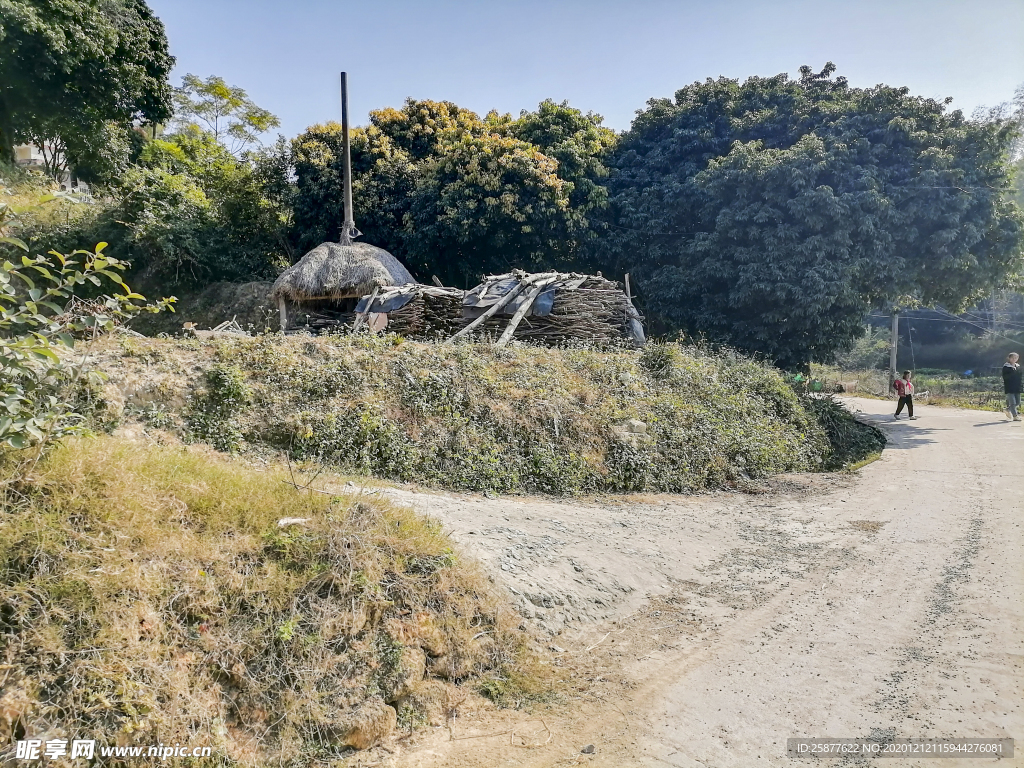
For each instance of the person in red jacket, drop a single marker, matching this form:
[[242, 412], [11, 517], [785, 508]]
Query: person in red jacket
[[905, 389]]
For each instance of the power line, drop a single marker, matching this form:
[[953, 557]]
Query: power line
[[1001, 336]]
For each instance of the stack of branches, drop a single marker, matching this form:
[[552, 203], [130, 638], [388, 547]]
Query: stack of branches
[[417, 311], [550, 308], [325, 319]]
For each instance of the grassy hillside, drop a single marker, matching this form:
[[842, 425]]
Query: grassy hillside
[[149, 595], [474, 417]]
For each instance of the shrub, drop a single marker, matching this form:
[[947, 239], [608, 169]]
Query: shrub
[[849, 440], [521, 420], [38, 330]]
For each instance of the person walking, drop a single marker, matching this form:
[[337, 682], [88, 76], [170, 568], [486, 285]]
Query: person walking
[[1012, 386], [905, 389]]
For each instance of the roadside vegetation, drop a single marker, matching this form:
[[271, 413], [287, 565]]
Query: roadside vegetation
[[150, 595], [670, 418], [943, 387]]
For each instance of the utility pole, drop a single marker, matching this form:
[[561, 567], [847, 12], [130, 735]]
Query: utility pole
[[348, 229], [893, 340]]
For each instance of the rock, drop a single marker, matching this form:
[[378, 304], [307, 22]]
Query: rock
[[113, 403], [371, 723], [420, 631], [131, 433], [441, 666], [411, 668], [430, 698], [587, 750], [631, 432]]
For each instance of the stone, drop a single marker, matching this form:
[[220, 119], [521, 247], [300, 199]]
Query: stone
[[430, 698], [587, 750], [631, 432], [371, 723], [412, 668], [113, 403], [419, 630]]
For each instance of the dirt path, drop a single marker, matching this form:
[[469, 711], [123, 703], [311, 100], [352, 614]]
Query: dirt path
[[705, 631]]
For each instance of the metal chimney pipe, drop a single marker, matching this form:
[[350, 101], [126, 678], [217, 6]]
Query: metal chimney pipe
[[349, 226]]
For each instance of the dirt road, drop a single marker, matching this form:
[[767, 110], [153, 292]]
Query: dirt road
[[705, 631]]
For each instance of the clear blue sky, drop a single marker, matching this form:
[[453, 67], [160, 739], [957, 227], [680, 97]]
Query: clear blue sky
[[608, 57]]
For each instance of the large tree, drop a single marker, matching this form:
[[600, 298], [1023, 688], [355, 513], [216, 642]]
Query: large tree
[[67, 67], [772, 214], [457, 195]]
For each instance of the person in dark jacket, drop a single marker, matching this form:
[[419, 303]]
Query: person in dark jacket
[[1012, 386]]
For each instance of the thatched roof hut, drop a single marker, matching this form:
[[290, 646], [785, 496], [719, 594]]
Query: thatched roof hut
[[327, 282]]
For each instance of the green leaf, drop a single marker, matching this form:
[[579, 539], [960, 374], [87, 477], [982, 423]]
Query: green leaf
[[15, 242]]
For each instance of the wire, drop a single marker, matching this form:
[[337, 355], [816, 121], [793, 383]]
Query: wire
[[986, 330], [937, 320], [985, 319]]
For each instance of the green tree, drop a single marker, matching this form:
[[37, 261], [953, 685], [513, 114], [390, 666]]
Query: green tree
[[582, 147], [488, 204], [223, 111], [772, 214], [455, 195], [68, 67]]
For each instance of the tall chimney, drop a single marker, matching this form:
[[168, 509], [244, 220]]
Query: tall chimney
[[348, 229]]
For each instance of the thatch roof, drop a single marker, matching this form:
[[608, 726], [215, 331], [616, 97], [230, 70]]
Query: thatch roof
[[335, 271]]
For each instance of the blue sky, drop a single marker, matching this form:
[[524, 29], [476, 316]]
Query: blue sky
[[608, 57]]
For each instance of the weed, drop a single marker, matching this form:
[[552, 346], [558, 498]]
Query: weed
[[212, 416], [147, 594], [510, 420]]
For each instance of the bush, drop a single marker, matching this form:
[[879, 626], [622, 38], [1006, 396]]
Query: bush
[[38, 381], [849, 440], [474, 417]]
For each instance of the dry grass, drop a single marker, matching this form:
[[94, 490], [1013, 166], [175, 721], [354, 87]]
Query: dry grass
[[148, 595]]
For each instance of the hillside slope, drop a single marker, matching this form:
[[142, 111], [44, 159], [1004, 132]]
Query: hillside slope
[[474, 417]]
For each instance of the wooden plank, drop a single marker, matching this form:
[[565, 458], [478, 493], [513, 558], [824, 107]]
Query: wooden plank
[[362, 315], [510, 329], [524, 283]]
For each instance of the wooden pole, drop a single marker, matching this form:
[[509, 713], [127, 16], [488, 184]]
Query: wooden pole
[[893, 341], [363, 315], [282, 308], [349, 226], [517, 318], [524, 282]]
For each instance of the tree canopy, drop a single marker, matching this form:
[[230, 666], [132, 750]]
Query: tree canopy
[[67, 67], [190, 211], [773, 214], [456, 195], [223, 111]]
